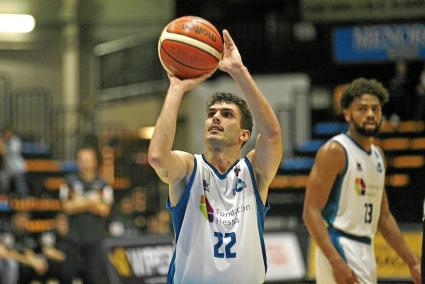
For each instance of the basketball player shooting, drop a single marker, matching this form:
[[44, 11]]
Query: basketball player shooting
[[218, 199]]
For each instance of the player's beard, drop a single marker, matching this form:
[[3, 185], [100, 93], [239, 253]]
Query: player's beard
[[368, 133]]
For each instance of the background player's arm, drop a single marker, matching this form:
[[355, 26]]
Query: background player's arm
[[73, 203], [392, 234], [171, 166], [268, 150], [330, 161]]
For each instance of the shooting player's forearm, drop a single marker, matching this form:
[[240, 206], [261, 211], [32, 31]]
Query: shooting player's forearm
[[265, 119], [165, 129]]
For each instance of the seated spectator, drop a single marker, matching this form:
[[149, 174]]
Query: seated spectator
[[8, 266], [399, 106], [420, 96], [122, 220], [14, 168], [55, 246], [24, 249]]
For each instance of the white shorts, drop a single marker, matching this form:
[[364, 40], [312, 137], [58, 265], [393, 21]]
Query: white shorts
[[359, 256]]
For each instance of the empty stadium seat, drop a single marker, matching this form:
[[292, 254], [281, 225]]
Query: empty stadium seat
[[311, 146], [411, 126], [297, 164], [289, 182], [408, 161], [330, 128], [395, 144], [417, 143]]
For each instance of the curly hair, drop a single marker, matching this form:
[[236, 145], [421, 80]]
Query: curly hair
[[246, 121], [361, 86]]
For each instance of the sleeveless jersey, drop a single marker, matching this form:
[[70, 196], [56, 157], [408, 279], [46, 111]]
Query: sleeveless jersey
[[354, 203], [218, 225]]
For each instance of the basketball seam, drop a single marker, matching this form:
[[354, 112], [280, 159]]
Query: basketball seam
[[193, 42], [181, 63], [199, 21]]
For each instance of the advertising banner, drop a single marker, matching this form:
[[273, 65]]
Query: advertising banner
[[379, 43], [141, 260]]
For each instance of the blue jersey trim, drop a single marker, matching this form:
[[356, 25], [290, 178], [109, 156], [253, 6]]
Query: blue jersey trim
[[177, 214], [172, 269], [365, 240], [335, 240], [332, 205], [217, 172], [261, 211]]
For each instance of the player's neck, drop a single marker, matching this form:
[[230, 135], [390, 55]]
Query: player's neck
[[88, 175], [364, 141], [221, 159]]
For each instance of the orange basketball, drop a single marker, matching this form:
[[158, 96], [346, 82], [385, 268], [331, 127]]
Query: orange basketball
[[189, 47]]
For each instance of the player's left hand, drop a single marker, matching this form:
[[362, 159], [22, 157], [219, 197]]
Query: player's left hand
[[415, 272], [232, 60]]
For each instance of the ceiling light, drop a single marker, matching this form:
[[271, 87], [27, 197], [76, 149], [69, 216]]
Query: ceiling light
[[146, 132], [16, 23]]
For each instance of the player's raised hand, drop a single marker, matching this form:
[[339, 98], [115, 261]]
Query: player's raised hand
[[232, 60], [186, 85]]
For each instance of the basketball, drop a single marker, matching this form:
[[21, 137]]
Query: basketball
[[189, 47]]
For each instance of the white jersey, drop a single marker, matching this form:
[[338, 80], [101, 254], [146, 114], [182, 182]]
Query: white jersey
[[219, 224], [354, 203]]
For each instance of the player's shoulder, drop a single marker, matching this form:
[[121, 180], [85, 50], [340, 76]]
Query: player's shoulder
[[187, 158], [332, 153], [332, 147]]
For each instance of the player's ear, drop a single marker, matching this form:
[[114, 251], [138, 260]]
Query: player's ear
[[346, 114], [245, 134]]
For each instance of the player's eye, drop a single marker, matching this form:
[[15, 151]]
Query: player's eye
[[227, 114]]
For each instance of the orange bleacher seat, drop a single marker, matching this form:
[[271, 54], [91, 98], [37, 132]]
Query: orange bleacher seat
[[397, 180], [37, 226], [37, 204], [42, 165], [121, 183], [53, 183], [411, 126], [408, 161], [395, 144], [289, 181], [417, 143], [387, 127]]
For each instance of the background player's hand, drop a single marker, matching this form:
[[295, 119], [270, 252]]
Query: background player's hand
[[343, 273], [415, 272], [231, 61], [187, 84]]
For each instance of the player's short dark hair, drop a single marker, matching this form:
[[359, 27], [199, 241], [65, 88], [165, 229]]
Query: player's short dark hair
[[246, 116], [361, 86]]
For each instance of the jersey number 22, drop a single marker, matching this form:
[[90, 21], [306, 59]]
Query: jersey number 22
[[227, 247]]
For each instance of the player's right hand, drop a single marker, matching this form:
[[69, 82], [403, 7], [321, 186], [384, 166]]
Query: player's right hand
[[187, 84], [343, 273]]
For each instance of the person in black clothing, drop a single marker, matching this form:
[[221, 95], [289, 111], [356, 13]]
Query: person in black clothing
[[87, 200], [55, 247], [23, 247]]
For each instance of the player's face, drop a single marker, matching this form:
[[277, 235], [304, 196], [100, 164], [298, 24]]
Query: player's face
[[87, 161], [365, 115], [223, 125]]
